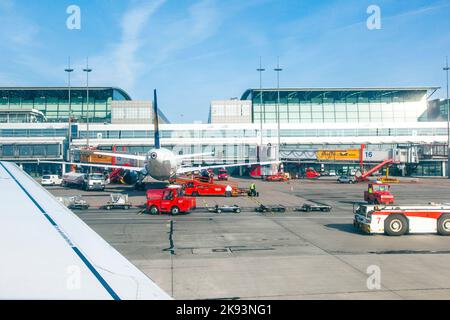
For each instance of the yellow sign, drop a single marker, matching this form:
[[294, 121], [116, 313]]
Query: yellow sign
[[338, 155], [96, 158]]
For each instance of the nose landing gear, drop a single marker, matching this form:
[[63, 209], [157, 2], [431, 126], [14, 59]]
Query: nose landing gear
[[140, 184]]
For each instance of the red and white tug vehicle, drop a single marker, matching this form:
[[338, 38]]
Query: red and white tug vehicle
[[399, 220]]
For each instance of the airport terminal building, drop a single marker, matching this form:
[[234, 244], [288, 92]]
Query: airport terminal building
[[34, 124]]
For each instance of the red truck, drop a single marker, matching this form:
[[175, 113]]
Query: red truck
[[310, 173], [169, 200], [197, 188], [378, 193], [223, 174]]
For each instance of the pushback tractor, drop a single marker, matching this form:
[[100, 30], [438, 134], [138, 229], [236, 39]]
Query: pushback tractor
[[399, 220]]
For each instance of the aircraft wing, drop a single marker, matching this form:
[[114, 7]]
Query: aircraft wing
[[95, 165], [121, 155], [136, 157], [47, 252], [193, 155], [190, 169]]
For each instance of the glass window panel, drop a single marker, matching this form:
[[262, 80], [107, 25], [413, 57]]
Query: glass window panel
[[52, 150], [39, 150], [339, 107], [270, 108], [364, 116], [305, 117], [294, 108], [376, 116], [352, 108], [271, 115], [305, 107], [8, 150], [25, 150]]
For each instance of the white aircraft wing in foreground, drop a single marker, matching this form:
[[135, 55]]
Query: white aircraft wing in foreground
[[47, 252]]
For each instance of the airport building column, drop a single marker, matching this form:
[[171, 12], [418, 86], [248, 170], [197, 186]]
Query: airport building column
[[444, 168], [63, 169]]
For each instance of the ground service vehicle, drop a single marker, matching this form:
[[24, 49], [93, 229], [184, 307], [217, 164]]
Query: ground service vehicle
[[197, 188], [262, 208], [74, 202], [220, 209], [118, 201], [346, 179], [399, 220], [92, 181], [51, 180], [222, 175], [277, 177], [169, 200], [310, 173], [314, 207], [75, 179], [378, 193]]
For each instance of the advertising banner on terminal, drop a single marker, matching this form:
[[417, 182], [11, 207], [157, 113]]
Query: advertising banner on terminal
[[298, 155], [338, 155]]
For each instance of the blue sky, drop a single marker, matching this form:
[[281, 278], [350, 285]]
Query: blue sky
[[196, 51]]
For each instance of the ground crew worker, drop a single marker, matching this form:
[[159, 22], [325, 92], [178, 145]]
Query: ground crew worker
[[253, 190], [228, 191]]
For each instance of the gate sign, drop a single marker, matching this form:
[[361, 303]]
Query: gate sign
[[338, 155], [376, 156]]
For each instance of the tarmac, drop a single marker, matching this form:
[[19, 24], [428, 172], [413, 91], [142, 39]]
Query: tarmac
[[290, 255]]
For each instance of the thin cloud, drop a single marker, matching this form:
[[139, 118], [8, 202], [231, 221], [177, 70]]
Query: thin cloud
[[17, 31], [202, 22], [420, 11], [120, 64]]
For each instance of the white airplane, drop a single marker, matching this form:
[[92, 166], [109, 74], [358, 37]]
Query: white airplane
[[159, 163], [49, 253]]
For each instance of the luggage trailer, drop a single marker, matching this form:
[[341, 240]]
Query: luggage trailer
[[399, 220]]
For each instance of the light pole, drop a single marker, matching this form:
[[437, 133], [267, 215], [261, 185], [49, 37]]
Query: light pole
[[69, 70], [278, 70], [446, 68], [87, 70], [260, 70]]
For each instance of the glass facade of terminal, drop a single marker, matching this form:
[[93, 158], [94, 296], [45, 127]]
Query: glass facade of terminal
[[338, 106], [249, 133], [313, 119], [53, 103], [20, 133], [27, 151]]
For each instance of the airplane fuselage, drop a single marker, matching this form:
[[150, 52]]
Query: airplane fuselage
[[161, 164]]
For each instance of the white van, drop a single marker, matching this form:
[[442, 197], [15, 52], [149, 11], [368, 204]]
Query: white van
[[51, 180]]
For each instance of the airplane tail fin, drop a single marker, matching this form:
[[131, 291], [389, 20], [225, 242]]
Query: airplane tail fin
[[156, 120]]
